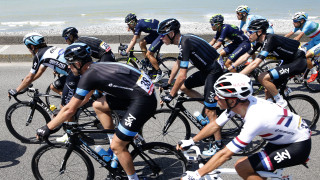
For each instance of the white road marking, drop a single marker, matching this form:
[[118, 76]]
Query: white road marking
[[4, 48]]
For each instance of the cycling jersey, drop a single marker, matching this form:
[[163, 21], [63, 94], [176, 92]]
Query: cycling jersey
[[231, 32], [147, 26], [252, 17], [97, 46], [52, 57], [281, 46], [268, 120], [311, 29], [198, 51]]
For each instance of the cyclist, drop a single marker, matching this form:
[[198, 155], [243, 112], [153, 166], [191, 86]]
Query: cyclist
[[294, 60], [240, 43], [126, 88], [99, 49], [288, 136], [246, 18], [203, 56], [312, 30], [148, 26], [47, 56]]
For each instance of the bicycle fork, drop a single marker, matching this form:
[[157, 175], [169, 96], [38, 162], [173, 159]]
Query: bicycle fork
[[30, 116], [169, 122]]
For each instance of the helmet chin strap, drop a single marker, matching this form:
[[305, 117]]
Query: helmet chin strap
[[78, 69], [171, 39], [229, 106]]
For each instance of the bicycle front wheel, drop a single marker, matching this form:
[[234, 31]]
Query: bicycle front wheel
[[126, 61], [178, 129], [47, 164], [22, 120], [149, 164], [306, 107]]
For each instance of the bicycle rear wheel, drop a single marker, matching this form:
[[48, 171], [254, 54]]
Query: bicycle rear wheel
[[306, 107], [313, 86], [179, 129], [125, 61], [53, 98], [47, 161], [149, 164]]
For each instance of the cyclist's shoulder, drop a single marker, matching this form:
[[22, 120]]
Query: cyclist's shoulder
[[86, 39]]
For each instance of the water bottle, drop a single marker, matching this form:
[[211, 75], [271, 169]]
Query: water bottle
[[114, 162], [203, 121], [106, 155]]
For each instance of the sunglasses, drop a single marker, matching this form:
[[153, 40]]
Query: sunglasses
[[66, 38], [295, 21], [163, 35]]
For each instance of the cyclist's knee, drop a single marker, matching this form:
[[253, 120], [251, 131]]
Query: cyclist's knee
[[263, 77], [184, 88], [243, 167], [118, 146], [143, 43], [150, 54], [101, 105], [309, 54]]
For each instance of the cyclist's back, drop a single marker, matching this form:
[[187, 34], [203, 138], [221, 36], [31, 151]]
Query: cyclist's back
[[146, 25], [98, 47], [232, 32]]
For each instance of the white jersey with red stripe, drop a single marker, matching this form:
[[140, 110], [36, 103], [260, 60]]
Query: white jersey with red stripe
[[268, 120]]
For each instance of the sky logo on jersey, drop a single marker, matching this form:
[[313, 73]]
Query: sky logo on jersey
[[284, 71], [129, 120], [282, 156]]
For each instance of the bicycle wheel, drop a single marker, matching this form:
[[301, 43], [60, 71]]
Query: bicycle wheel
[[47, 161], [53, 98], [166, 65], [306, 107], [150, 165], [313, 86], [125, 61], [22, 122], [152, 130]]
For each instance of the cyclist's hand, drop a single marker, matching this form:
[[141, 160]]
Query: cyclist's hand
[[43, 132], [185, 144], [12, 92], [167, 98], [194, 175], [124, 53]]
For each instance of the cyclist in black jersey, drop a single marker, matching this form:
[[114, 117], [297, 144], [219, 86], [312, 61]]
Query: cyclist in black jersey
[[240, 43], [127, 89], [204, 57], [294, 60], [148, 26], [47, 56], [100, 49]]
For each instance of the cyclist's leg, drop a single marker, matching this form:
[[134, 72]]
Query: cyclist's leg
[[154, 47], [147, 40], [197, 79], [139, 111], [103, 111], [314, 51], [57, 85], [236, 51], [245, 170]]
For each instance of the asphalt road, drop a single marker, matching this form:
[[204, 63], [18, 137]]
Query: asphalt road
[[15, 157]]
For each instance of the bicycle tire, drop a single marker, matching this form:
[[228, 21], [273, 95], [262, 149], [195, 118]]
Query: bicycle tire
[[179, 129], [124, 60], [313, 86], [304, 109], [166, 65], [169, 165], [47, 160], [14, 117]]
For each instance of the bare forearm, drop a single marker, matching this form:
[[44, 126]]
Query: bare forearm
[[251, 66], [25, 83], [65, 114], [207, 131], [174, 72], [216, 161]]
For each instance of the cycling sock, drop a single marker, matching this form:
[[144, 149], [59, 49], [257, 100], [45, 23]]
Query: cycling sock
[[219, 143], [133, 177], [278, 97], [110, 136], [159, 71]]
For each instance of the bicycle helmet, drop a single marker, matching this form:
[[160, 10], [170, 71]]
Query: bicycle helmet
[[70, 31], [78, 52], [299, 16], [33, 39], [233, 85], [259, 24], [243, 9], [168, 25], [130, 17], [218, 18]]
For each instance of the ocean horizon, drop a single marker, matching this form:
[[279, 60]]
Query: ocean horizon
[[107, 17]]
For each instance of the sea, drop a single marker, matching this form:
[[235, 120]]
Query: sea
[[107, 16]]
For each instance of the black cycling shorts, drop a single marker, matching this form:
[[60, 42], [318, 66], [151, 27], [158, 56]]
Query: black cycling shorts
[[107, 57], [280, 156], [138, 111], [69, 88], [208, 79], [59, 83], [156, 45]]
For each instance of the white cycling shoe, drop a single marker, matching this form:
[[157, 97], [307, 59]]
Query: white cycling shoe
[[158, 78], [63, 138], [282, 103], [212, 151]]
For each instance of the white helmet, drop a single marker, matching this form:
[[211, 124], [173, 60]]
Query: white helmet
[[33, 39], [299, 16], [233, 85], [242, 9]]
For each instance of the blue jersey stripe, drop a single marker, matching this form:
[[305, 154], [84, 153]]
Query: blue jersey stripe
[[238, 146], [126, 131], [184, 64], [264, 53], [274, 73], [210, 104], [81, 92], [288, 122]]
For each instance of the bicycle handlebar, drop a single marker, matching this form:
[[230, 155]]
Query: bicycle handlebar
[[29, 89]]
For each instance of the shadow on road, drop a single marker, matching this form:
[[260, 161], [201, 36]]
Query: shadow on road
[[9, 152]]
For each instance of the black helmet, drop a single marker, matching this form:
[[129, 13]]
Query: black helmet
[[259, 24], [169, 25], [78, 52], [70, 31], [130, 17], [218, 18]]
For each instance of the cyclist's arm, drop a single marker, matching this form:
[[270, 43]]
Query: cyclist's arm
[[26, 82], [207, 131], [217, 45], [289, 34], [299, 36], [65, 113], [182, 76], [240, 61], [174, 71], [254, 64], [40, 72], [213, 41], [217, 160], [133, 42]]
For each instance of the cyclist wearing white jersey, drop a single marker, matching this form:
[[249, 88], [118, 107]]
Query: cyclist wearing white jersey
[[288, 136], [246, 18], [312, 30]]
